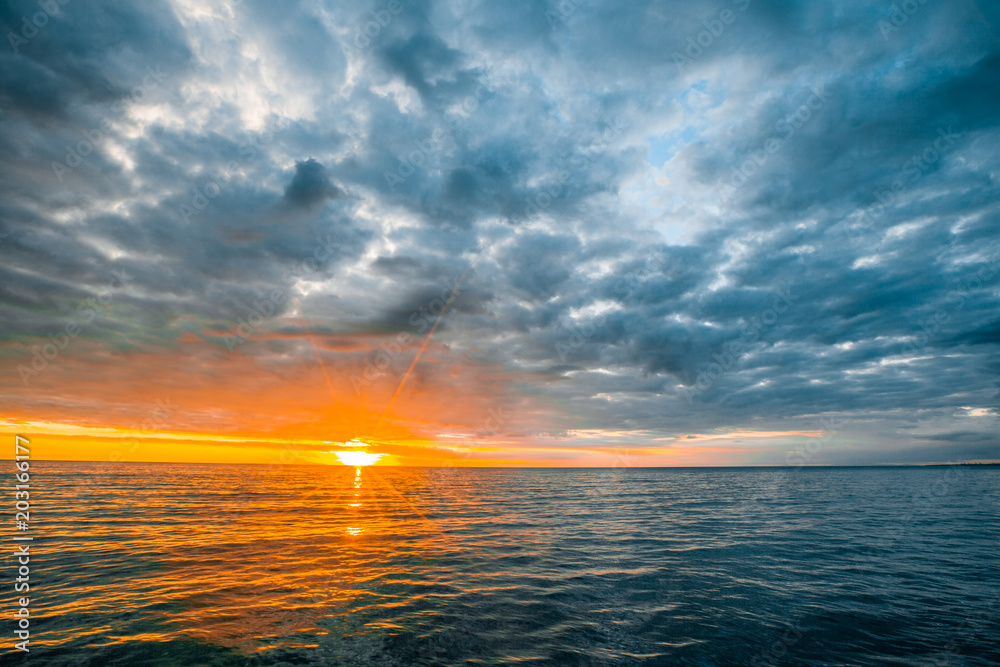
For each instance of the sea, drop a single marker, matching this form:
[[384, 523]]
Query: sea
[[170, 564]]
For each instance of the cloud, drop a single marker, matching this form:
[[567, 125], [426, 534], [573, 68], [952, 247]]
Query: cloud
[[311, 185], [799, 222]]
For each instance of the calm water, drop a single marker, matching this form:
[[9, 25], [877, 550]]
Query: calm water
[[160, 564]]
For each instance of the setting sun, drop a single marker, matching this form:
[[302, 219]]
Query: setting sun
[[355, 458]]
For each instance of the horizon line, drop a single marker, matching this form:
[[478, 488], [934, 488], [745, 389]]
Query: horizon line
[[547, 467]]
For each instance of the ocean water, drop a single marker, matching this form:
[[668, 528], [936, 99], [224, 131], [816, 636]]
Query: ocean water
[[162, 564]]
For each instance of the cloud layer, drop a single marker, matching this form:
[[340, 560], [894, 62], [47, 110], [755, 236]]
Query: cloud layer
[[640, 222]]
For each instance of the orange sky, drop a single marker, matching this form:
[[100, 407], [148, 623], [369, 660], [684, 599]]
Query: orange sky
[[197, 402]]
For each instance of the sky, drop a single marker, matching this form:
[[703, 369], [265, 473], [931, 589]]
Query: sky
[[577, 233]]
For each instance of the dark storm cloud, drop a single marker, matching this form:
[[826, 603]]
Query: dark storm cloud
[[797, 219], [311, 184]]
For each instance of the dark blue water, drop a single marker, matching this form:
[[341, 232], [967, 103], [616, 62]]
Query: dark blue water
[[160, 564]]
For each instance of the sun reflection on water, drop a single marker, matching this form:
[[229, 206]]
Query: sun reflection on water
[[287, 553]]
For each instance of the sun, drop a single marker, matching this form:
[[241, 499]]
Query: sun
[[356, 458]]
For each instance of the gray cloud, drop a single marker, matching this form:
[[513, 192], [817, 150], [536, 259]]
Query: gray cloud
[[311, 185], [638, 273]]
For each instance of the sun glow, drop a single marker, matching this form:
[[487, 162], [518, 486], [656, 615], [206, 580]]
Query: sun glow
[[356, 458]]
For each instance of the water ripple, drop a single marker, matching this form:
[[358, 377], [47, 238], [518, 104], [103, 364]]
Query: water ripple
[[162, 564]]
